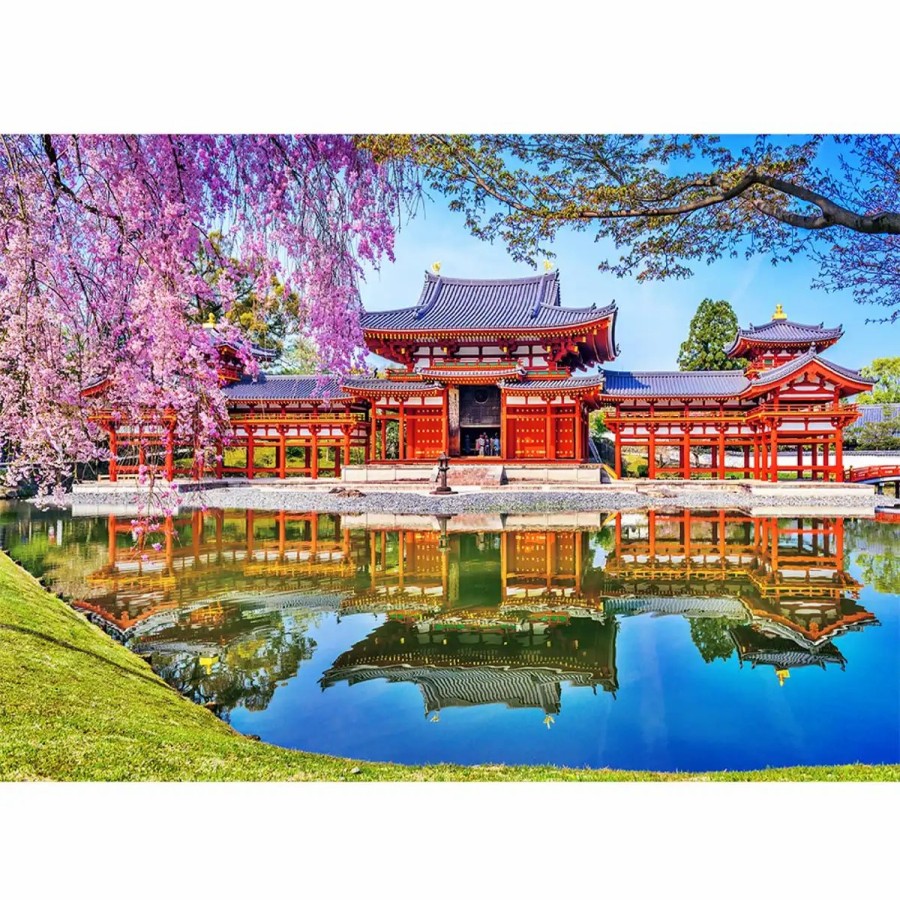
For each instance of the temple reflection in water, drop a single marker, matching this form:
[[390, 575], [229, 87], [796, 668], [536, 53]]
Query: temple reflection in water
[[471, 609]]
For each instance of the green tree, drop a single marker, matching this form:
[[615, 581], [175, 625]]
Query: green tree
[[883, 435], [712, 638], [300, 357], [263, 319], [887, 370], [712, 329]]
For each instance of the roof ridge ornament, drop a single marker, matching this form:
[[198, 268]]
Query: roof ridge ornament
[[779, 313]]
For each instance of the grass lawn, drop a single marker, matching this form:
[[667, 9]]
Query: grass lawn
[[75, 705]]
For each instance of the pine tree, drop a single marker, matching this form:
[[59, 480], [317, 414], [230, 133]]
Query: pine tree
[[712, 329]]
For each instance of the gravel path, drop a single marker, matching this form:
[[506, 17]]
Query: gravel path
[[516, 501]]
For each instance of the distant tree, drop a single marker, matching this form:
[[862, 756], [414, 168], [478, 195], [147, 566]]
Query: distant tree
[[883, 435], [712, 638], [712, 329], [887, 370], [264, 316], [300, 357]]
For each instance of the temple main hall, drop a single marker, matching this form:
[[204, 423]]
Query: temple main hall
[[500, 371]]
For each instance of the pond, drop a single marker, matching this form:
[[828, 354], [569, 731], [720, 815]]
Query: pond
[[667, 640]]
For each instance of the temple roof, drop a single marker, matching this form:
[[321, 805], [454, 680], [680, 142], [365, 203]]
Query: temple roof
[[558, 385], [460, 304], [285, 387], [777, 373], [783, 332], [873, 413], [674, 384]]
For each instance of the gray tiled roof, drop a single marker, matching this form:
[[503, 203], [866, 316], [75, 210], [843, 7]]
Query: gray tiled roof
[[556, 384], [388, 385], [285, 387], [469, 305], [674, 384], [872, 413], [783, 331]]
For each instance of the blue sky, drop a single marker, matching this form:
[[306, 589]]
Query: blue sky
[[653, 317]]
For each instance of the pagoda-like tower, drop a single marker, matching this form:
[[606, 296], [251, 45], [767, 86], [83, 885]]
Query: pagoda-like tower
[[780, 341], [485, 369]]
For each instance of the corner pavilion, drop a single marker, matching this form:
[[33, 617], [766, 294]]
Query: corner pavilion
[[497, 360]]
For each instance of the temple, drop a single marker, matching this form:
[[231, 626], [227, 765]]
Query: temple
[[488, 368]]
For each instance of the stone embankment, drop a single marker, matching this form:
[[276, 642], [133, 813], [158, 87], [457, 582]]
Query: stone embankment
[[785, 498]]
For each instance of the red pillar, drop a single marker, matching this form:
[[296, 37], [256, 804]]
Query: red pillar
[[651, 453], [839, 455], [550, 450], [250, 472], [314, 473], [721, 472], [337, 461], [170, 453], [113, 454], [282, 453], [346, 432], [579, 449], [773, 474]]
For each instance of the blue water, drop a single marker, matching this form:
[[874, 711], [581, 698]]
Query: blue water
[[281, 623]]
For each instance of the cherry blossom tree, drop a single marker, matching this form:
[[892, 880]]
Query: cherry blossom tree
[[101, 238]]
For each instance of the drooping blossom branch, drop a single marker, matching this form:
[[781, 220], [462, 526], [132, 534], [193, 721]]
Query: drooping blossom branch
[[100, 238]]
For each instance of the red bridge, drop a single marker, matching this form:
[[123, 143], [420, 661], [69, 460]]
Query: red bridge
[[873, 474]]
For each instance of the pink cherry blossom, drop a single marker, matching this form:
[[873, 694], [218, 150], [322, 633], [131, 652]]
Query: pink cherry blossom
[[100, 237]]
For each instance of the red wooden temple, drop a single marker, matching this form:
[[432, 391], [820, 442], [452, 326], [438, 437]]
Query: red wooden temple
[[487, 368]]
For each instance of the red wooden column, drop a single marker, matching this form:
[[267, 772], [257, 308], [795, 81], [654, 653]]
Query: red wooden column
[[579, 447], [503, 427], [774, 470], [170, 452], [220, 459], [839, 455], [815, 458], [721, 472], [337, 461], [282, 452], [445, 419], [746, 460], [113, 454], [686, 453], [249, 452], [550, 449], [346, 430], [617, 454], [373, 434], [401, 429], [651, 451], [314, 452]]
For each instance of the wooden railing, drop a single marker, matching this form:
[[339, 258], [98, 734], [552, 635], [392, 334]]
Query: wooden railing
[[870, 473]]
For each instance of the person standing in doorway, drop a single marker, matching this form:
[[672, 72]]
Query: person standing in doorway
[[479, 446]]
